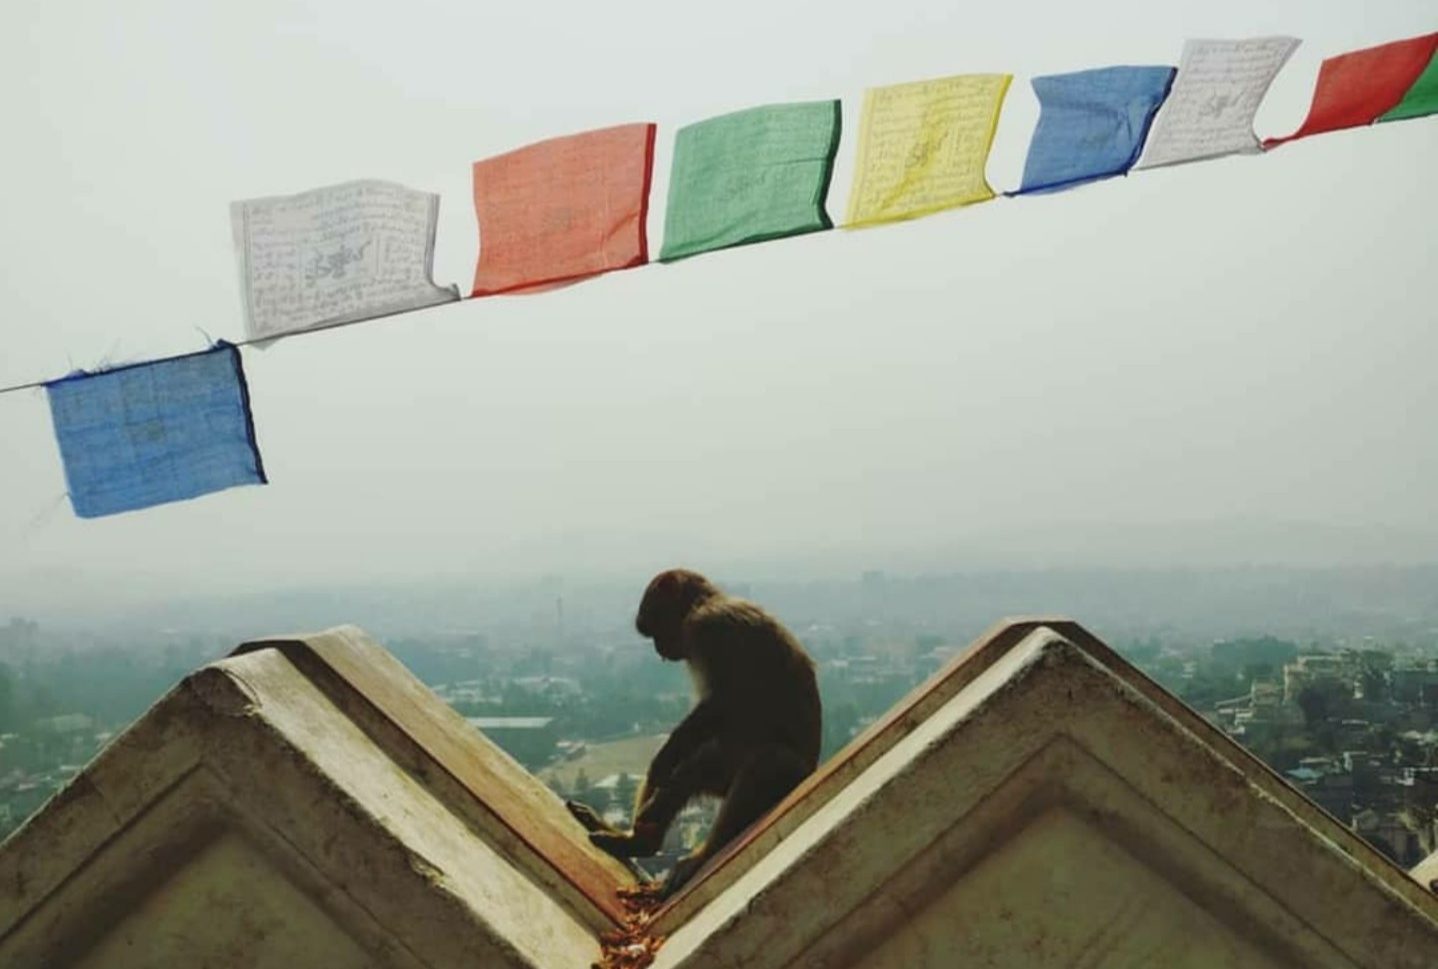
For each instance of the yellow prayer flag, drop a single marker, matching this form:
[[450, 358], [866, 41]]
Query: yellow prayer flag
[[923, 145]]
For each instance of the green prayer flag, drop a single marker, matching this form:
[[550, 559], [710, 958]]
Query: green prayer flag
[[1420, 99], [750, 176]]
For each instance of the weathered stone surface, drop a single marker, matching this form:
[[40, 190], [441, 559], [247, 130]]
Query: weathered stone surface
[[1040, 803]]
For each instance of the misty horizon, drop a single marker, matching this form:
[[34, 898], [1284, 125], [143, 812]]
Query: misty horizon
[[1173, 546]]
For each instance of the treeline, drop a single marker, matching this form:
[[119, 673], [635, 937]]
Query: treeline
[[112, 685]]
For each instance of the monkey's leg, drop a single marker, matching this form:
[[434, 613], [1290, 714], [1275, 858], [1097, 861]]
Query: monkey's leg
[[759, 784], [701, 772]]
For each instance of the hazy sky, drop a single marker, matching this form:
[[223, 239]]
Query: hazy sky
[[1139, 371]]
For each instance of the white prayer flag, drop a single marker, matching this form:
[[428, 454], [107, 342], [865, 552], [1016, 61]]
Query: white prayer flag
[[1210, 110], [335, 255]]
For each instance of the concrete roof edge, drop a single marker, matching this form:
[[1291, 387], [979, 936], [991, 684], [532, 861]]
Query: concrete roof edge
[[274, 755], [759, 904], [475, 777]]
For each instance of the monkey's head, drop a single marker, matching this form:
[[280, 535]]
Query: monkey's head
[[667, 602]]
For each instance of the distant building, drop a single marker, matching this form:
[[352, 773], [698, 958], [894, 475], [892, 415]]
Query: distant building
[[554, 686], [1390, 835], [1259, 717], [66, 723], [465, 691], [1414, 684], [509, 723], [1309, 670], [533, 741]]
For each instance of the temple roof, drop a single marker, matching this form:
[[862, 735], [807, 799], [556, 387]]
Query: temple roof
[[1042, 803], [307, 801]]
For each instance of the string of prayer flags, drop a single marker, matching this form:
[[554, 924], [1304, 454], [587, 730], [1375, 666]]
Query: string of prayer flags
[[563, 209], [1210, 110], [923, 147], [334, 255], [1092, 124], [750, 176], [1420, 99], [1356, 88], [155, 432]]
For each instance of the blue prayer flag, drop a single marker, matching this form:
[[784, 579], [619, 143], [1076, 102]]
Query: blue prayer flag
[[155, 432], [1092, 124]]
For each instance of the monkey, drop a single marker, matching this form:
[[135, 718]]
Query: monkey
[[752, 736]]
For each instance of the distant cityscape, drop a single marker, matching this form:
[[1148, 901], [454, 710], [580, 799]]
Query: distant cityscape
[[1356, 729], [1350, 718]]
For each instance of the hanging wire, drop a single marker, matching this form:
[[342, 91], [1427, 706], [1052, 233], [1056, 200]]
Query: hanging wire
[[255, 341]]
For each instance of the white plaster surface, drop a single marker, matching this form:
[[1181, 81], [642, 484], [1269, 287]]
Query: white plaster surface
[[1061, 895], [227, 906]]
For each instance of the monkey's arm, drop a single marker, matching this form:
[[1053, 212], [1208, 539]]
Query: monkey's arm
[[686, 745], [693, 731], [660, 803]]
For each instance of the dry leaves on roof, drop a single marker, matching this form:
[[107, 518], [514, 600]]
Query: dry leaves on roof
[[632, 947]]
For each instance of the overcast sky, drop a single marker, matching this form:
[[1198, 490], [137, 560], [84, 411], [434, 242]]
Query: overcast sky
[[1226, 361]]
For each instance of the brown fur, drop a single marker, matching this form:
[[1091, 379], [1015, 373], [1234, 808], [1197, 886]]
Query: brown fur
[[752, 736]]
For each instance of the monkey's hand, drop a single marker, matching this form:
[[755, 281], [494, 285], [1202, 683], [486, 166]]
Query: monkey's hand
[[644, 840], [684, 870], [589, 817]]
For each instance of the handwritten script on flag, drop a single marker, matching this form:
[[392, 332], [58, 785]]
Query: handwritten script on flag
[[750, 176], [1355, 88], [155, 432], [1209, 112], [1092, 124], [564, 208], [923, 146], [333, 255]]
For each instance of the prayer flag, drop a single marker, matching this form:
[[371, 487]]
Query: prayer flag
[[335, 255], [1209, 112], [750, 176], [1355, 88], [1092, 124], [923, 145], [1421, 98], [563, 208], [155, 432]]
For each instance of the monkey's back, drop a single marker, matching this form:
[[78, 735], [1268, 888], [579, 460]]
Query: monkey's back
[[758, 675]]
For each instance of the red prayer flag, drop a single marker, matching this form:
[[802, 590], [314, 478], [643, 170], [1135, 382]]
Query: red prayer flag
[[563, 209], [1355, 88]]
